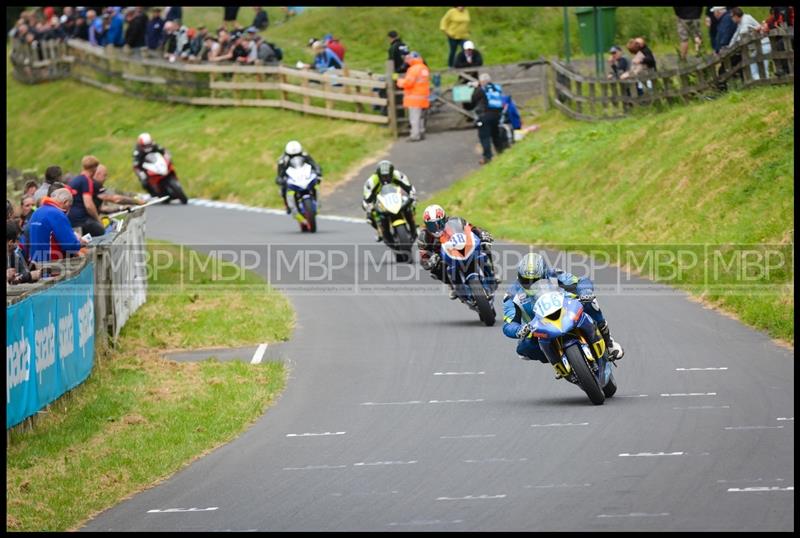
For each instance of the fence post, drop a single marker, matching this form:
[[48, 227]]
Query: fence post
[[391, 105], [545, 86]]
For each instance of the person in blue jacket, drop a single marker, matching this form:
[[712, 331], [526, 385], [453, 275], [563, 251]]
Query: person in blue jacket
[[725, 28], [115, 35], [325, 58], [51, 235], [511, 113], [519, 300]]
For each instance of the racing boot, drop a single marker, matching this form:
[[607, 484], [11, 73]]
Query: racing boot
[[615, 351]]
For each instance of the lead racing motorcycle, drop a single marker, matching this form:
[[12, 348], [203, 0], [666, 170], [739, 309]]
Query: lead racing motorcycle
[[467, 264], [301, 181], [571, 341]]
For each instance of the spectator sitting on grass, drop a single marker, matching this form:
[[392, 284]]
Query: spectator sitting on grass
[[324, 58], [261, 19], [334, 45], [52, 236]]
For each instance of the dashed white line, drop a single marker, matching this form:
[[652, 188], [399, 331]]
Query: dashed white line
[[649, 454], [455, 401], [259, 354], [313, 434], [704, 407], [635, 514], [785, 418], [632, 396], [423, 522], [753, 428], [495, 460], [556, 424], [171, 510], [700, 369], [471, 497], [690, 394], [314, 467], [265, 210], [374, 463], [393, 403], [459, 373], [748, 480], [761, 489], [469, 436], [550, 486]]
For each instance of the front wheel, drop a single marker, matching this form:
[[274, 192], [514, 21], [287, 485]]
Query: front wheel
[[586, 378], [485, 309], [611, 387], [403, 245], [308, 213]]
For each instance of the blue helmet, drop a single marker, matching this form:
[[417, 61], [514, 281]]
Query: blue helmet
[[531, 268]]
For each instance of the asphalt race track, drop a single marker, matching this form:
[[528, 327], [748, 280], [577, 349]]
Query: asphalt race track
[[404, 413]]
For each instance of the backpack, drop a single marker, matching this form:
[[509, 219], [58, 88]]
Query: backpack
[[278, 51], [494, 96]]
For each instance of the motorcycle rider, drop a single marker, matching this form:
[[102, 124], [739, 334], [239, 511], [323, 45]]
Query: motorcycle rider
[[435, 218], [519, 300], [386, 174], [144, 147], [294, 149]]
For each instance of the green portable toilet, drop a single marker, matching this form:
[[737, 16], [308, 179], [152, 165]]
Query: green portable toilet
[[608, 26]]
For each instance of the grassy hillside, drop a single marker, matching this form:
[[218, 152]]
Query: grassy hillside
[[709, 173], [502, 34], [219, 153]]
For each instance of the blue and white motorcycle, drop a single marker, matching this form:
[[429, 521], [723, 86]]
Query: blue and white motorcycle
[[570, 340], [302, 180], [467, 265]]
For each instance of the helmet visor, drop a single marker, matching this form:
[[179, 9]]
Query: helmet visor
[[527, 282], [436, 227]]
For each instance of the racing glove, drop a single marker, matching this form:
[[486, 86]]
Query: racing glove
[[432, 262], [586, 296], [486, 237], [523, 331]]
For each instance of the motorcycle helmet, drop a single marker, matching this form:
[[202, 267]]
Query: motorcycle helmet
[[385, 172], [435, 219], [293, 148], [531, 268], [145, 141]]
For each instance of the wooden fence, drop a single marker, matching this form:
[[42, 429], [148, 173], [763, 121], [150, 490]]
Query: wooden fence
[[755, 61], [344, 94]]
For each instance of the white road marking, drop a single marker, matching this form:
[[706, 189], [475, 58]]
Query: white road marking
[[423, 522], [699, 369], [494, 460], [455, 401], [691, 394], [471, 497], [314, 467], [459, 373], [704, 407], [760, 489], [361, 464], [392, 403], [748, 481], [785, 418], [313, 434], [560, 424], [647, 454], [265, 210], [632, 396], [259, 354], [470, 436], [635, 514], [171, 510], [549, 486], [753, 428]]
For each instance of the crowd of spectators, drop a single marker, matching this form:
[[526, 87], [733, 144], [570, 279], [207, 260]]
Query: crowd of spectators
[[152, 32], [55, 219]]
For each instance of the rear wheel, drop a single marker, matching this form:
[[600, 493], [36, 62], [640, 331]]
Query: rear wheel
[[586, 378], [485, 309]]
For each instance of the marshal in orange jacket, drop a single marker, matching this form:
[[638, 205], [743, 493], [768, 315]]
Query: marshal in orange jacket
[[416, 84]]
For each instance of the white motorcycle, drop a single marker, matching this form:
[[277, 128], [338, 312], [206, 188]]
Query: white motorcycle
[[302, 181]]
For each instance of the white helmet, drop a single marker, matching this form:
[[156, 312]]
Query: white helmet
[[145, 141], [435, 219], [293, 148]]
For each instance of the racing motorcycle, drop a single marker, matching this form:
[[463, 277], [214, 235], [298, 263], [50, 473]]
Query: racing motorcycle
[[466, 263], [571, 341], [161, 178], [392, 204], [301, 180]]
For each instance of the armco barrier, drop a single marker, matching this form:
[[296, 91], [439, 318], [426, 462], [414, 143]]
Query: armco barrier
[[50, 337]]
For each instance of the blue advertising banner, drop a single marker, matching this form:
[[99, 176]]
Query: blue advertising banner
[[49, 345]]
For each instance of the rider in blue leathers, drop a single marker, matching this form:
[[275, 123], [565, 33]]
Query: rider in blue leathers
[[518, 306]]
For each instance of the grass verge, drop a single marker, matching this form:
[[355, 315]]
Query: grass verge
[[711, 180], [140, 418]]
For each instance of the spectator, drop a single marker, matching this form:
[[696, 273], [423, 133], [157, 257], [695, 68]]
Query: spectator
[[222, 49], [416, 94], [17, 269], [618, 62], [397, 52], [26, 208], [197, 42], [324, 58], [52, 175], [241, 47], [96, 28], [688, 26], [779, 17], [230, 15], [511, 112], [455, 25], [261, 19], [643, 63], [488, 110], [169, 45], [173, 13], [468, 57], [746, 24], [182, 43], [31, 186], [10, 215], [51, 234], [84, 212], [137, 29], [81, 30], [725, 28], [649, 61], [154, 34], [335, 45], [291, 11], [116, 20], [102, 195]]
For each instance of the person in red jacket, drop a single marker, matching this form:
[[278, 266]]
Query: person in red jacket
[[416, 94], [335, 45]]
